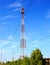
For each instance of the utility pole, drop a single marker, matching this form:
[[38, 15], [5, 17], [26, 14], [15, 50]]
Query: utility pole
[[1, 58], [13, 57]]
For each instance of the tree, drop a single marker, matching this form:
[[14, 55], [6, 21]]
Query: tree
[[15, 62], [19, 61], [36, 57], [26, 61], [8, 63]]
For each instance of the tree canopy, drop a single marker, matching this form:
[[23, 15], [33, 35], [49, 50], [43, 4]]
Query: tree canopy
[[36, 57], [26, 61]]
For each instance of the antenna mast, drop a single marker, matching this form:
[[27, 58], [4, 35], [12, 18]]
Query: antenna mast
[[23, 40]]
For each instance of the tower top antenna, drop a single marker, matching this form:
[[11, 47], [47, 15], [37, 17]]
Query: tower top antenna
[[22, 11]]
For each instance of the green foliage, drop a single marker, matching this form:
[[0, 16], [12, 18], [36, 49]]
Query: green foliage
[[44, 62], [26, 61], [8, 63], [36, 57], [19, 61]]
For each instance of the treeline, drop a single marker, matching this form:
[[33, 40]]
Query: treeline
[[36, 58]]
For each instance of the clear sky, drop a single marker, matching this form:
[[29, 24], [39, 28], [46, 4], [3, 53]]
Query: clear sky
[[37, 26]]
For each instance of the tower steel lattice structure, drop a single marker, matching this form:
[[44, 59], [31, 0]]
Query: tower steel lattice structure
[[22, 40]]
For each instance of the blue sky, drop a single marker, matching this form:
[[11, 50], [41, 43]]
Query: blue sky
[[37, 26]]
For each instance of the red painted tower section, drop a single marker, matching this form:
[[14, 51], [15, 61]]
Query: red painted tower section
[[23, 40]]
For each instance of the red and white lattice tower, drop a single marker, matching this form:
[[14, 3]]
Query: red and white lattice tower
[[22, 40]]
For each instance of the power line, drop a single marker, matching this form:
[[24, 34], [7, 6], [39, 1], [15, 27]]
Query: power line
[[20, 22], [16, 29], [28, 7]]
